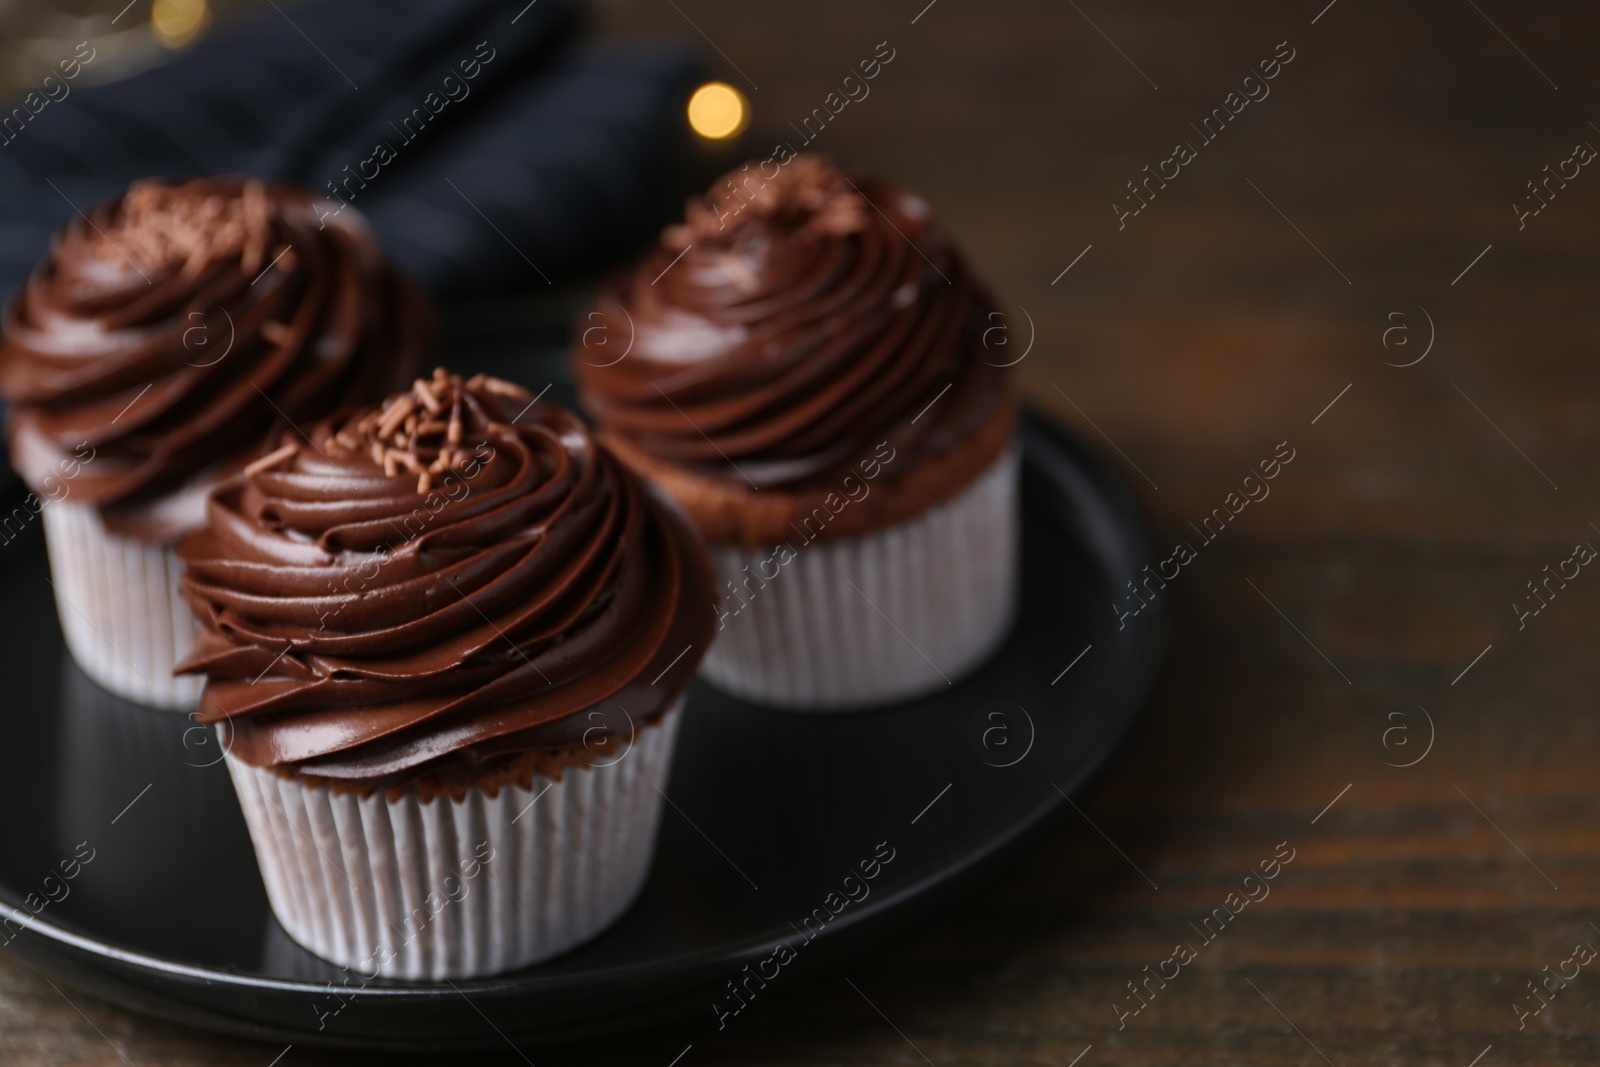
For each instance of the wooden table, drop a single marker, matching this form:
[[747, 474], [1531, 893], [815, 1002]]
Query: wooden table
[[1334, 629]]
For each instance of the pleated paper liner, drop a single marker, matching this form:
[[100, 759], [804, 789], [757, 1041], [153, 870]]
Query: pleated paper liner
[[448, 888], [123, 619], [889, 616]]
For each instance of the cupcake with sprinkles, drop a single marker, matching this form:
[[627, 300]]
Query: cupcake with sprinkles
[[448, 640], [807, 364], [169, 334]]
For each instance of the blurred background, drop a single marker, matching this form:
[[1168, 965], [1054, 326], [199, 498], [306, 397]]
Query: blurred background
[[1393, 178], [35, 35]]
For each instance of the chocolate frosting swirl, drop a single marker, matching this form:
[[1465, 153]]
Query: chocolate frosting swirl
[[438, 585], [790, 324], [171, 329]]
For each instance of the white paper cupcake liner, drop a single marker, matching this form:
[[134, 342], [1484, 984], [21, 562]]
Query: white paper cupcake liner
[[892, 615], [120, 610], [458, 888]]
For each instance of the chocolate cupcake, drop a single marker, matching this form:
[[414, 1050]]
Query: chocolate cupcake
[[167, 335], [801, 364], [448, 643]]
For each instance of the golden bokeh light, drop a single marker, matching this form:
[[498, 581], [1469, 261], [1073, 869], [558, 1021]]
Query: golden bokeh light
[[177, 23], [718, 111]]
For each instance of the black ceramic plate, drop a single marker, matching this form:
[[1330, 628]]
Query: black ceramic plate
[[770, 815]]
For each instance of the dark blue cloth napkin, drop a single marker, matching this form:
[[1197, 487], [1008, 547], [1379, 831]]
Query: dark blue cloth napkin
[[491, 145]]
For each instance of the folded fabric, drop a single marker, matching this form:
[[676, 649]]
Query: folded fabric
[[490, 145]]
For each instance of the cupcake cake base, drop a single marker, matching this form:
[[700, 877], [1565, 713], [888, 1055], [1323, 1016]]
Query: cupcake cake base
[[887, 616], [458, 888], [124, 620]]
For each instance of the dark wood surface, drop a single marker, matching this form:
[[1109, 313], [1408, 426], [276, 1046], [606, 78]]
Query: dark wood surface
[[1377, 580]]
